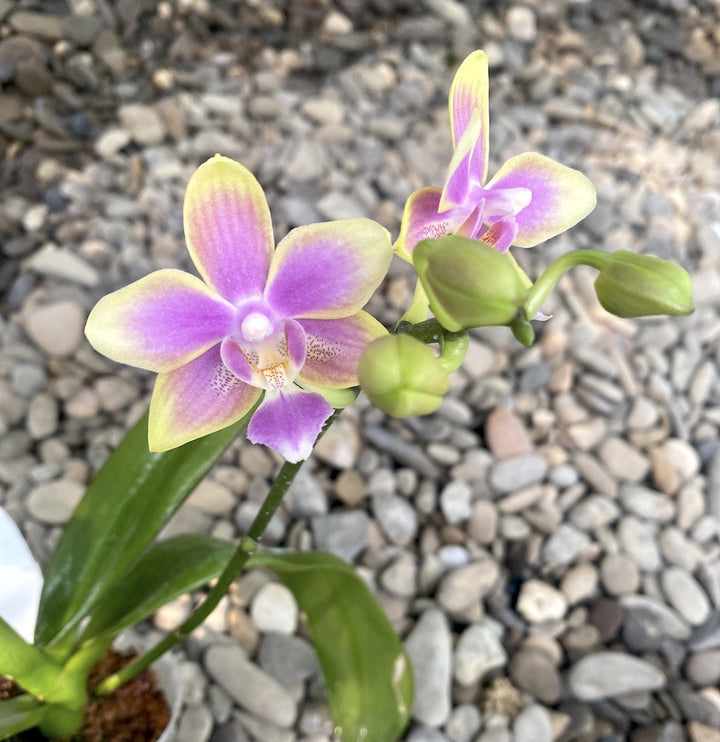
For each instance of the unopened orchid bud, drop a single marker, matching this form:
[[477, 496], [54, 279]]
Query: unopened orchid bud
[[402, 376], [633, 285], [469, 283]]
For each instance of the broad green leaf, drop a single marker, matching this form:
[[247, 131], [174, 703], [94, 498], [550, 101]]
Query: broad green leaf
[[20, 713], [27, 665], [367, 674], [124, 508], [167, 569]]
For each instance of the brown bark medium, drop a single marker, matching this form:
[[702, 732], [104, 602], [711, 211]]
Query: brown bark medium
[[135, 712]]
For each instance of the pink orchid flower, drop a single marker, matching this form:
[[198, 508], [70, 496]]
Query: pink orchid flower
[[260, 320], [530, 199]]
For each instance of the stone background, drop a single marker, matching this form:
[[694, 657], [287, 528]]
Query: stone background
[[563, 503]]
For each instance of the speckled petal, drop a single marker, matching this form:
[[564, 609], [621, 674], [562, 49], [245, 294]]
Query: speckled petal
[[334, 347], [468, 93], [327, 271], [227, 228], [422, 221], [196, 400], [160, 322], [290, 421], [501, 234], [561, 196]]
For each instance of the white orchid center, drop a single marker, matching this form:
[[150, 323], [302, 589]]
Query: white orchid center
[[256, 327]]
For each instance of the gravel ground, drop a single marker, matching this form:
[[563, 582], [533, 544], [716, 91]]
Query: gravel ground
[[548, 542]]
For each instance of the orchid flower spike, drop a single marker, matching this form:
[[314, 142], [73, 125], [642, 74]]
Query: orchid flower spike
[[530, 199], [21, 580], [260, 320]]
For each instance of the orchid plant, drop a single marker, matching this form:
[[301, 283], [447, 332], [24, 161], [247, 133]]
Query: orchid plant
[[274, 341]]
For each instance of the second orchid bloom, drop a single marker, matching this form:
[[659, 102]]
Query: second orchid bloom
[[531, 198], [260, 320]]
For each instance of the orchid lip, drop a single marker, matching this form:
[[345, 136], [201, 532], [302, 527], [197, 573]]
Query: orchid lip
[[268, 355]]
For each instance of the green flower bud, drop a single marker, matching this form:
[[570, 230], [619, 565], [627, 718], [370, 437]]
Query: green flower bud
[[402, 376], [633, 285], [469, 283]]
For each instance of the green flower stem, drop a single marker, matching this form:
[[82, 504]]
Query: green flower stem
[[248, 544], [453, 347], [543, 286], [429, 331], [418, 309]]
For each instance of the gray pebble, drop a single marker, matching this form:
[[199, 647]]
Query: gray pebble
[[533, 724], [400, 577], [289, 659], [619, 574], [456, 502], [478, 652], [608, 674], [678, 549], [461, 590], [250, 686], [517, 472], [703, 668], [344, 533], [565, 545], [403, 452], [539, 602], [647, 504], [594, 512], [306, 496], [396, 517], [655, 619], [274, 609], [429, 646], [685, 595], [639, 541], [56, 328], [42, 420], [54, 502], [264, 729], [623, 460], [28, 379], [533, 671], [196, 724], [464, 723], [426, 734]]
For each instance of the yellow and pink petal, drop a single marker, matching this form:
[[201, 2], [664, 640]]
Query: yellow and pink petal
[[290, 421], [469, 93], [197, 399], [228, 228], [466, 171], [334, 347], [422, 220], [330, 270], [160, 322], [561, 196]]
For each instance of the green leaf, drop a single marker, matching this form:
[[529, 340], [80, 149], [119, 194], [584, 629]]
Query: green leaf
[[27, 665], [367, 674], [124, 508], [20, 713], [167, 569]]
